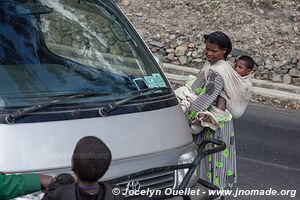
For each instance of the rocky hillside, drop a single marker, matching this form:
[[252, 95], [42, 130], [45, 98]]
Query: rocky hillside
[[268, 30]]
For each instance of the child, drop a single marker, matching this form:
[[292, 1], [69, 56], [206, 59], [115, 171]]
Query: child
[[243, 66], [90, 160]]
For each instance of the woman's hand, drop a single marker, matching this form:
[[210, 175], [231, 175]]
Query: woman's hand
[[45, 181]]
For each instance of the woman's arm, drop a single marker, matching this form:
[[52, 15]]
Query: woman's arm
[[12, 186], [206, 94], [221, 103]]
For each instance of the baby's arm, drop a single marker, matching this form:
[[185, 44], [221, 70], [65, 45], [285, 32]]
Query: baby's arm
[[221, 103]]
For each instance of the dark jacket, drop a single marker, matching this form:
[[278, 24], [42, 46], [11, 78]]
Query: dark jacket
[[64, 188]]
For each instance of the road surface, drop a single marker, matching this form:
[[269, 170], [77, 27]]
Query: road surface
[[268, 151]]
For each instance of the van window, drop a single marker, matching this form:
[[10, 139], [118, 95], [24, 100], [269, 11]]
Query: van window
[[59, 47]]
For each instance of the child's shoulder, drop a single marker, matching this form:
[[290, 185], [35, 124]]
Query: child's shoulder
[[62, 192]]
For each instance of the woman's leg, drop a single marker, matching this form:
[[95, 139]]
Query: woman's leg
[[224, 163]]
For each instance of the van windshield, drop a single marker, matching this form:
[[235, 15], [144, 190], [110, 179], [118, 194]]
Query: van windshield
[[58, 47]]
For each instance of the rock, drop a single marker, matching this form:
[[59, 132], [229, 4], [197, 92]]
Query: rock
[[125, 3], [158, 36], [196, 62], [269, 66], [260, 11], [277, 101], [287, 66], [287, 79], [258, 41], [256, 74], [269, 75], [176, 62], [265, 76], [296, 29], [191, 45], [163, 52], [259, 61], [276, 69], [189, 60], [294, 72], [260, 68], [268, 61], [195, 54], [276, 77], [171, 56], [296, 81], [153, 49], [173, 45], [181, 50], [179, 42], [169, 50], [236, 52], [231, 59], [157, 44], [139, 14], [284, 71], [172, 37], [182, 60], [265, 71]]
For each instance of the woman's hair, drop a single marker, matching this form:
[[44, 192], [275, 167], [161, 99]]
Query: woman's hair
[[221, 39]]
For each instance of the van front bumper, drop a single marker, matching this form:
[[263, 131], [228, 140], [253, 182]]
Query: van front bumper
[[198, 192]]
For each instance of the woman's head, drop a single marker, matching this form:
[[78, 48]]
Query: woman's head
[[218, 46]]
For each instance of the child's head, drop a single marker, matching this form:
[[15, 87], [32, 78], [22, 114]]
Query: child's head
[[244, 65], [91, 159]]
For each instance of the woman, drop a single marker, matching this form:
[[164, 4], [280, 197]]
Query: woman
[[219, 169]]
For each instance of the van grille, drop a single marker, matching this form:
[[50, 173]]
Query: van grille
[[155, 181]]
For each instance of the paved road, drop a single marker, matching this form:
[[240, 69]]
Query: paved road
[[268, 148]]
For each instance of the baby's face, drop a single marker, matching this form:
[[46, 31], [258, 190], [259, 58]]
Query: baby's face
[[241, 68]]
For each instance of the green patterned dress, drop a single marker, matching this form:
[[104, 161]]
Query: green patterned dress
[[220, 168]]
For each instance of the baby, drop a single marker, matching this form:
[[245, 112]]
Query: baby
[[243, 66]]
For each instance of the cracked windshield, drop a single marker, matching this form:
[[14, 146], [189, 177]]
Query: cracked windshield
[[54, 48]]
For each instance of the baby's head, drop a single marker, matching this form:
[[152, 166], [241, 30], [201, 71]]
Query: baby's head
[[91, 159], [244, 65]]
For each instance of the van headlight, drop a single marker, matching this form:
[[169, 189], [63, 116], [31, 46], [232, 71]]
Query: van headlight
[[184, 159]]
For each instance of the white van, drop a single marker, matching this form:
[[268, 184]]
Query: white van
[[72, 68]]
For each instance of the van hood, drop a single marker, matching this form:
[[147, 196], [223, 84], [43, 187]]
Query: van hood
[[49, 145]]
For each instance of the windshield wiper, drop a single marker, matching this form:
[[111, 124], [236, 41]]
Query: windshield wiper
[[103, 111], [11, 118]]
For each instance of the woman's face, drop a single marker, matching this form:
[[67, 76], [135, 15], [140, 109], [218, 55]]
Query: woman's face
[[214, 53]]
